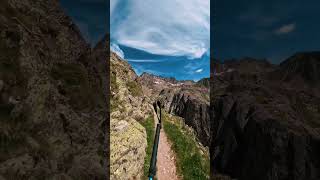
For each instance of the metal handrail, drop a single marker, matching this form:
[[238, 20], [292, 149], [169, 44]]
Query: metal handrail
[[153, 163]]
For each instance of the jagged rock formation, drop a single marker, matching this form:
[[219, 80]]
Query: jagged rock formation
[[302, 68], [264, 126], [53, 108], [186, 99], [195, 111], [129, 105], [153, 85], [204, 82]]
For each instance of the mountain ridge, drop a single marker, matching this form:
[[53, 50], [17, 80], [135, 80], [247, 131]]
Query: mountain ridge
[[263, 125]]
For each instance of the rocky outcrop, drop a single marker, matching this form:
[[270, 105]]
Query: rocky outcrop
[[194, 112], [303, 67], [129, 106], [186, 99], [204, 82], [153, 84], [263, 128], [53, 108]]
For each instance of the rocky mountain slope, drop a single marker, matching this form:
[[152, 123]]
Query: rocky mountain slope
[[264, 125], [129, 106], [302, 69], [131, 103], [204, 82], [53, 107], [186, 99]]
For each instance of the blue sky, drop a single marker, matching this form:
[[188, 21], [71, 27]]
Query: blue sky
[[171, 37], [270, 29], [168, 38], [90, 16]]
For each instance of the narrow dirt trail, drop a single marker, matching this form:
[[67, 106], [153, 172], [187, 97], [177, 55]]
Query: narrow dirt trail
[[166, 167]]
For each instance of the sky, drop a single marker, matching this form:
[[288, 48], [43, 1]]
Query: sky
[[90, 16], [170, 38], [270, 29], [173, 38]]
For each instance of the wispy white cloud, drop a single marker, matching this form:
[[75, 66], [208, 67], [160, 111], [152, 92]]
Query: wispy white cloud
[[199, 70], [116, 49], [285, 29], [145, 60], [166, 27]]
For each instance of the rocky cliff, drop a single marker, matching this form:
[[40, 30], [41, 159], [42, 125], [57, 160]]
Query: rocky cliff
[[194, 110], [302, 70], [265, 126], [129, 106], [204, 82], [53, 108], [186, 99]]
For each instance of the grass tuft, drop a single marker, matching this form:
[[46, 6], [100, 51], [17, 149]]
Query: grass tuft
[[75, 84], [148, 124], [134, 88], [191, 163], [114, 85]]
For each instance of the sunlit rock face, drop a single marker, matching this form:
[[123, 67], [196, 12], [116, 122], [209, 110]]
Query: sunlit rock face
[[186, 99], [129, 106]]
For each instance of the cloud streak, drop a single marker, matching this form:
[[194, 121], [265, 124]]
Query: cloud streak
[[167, 27], [181, 69], [199, 70], [145, 60], [285, 29], [116, 49]]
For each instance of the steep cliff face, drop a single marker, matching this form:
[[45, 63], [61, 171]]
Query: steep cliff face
[[194, 111], [129, 106], [204, 82], [186, 99], [264, 128], [53, 107]]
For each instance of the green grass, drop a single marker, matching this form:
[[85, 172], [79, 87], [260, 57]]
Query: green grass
[[114, 102], [134, 88], [191, 163], [113, 79], [75, 84], [71, 74], [114, 87], [14, 130], [148, 124]]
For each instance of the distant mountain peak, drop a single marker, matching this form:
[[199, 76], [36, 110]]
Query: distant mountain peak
[[303, 64]]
